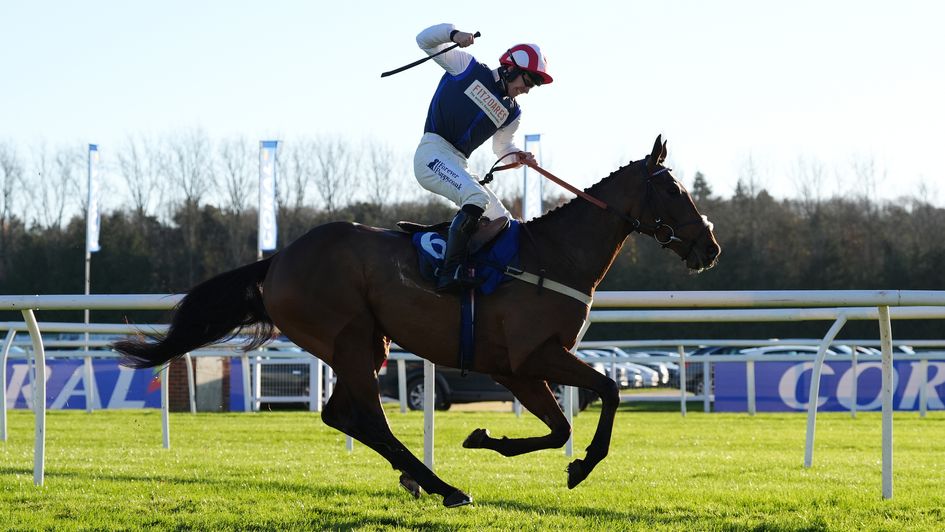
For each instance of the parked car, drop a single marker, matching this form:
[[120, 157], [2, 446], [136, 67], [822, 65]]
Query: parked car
[[623, 376], [862, 350], [665, 368], [649, 377], [453, 388], [785, 350], [694, 369]]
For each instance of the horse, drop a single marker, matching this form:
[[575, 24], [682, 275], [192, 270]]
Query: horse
[[345, 291]]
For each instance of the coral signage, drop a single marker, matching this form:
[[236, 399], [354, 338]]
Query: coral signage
[[785, 386], [117, 387]]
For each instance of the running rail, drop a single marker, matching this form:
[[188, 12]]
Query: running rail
[[882, 300]]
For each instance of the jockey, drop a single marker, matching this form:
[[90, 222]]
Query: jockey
[[471, 104]]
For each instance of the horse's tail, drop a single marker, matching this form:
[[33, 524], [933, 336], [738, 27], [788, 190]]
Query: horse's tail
[[217, 308]]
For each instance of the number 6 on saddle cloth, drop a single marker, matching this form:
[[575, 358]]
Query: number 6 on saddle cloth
[[490, 260], [488, 263]]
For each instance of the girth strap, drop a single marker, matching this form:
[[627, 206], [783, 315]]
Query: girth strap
[[554, 286]]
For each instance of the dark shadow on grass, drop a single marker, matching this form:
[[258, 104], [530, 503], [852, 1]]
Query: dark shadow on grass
[[341, 518], [16, 471], [676, 520], [658, 406]]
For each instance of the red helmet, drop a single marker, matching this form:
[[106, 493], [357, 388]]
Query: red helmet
[[527, 57]]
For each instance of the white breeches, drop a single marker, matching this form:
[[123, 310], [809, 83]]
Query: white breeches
[[442, 170]]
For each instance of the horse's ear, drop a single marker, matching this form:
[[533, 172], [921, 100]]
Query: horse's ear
[[664, 153], [658, 154]]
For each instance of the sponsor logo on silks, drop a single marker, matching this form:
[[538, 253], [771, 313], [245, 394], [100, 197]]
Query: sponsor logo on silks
[[487, 101], [445, 174], [434, 245]]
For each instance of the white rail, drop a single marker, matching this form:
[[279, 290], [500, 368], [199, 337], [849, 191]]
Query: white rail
[[753, 300]]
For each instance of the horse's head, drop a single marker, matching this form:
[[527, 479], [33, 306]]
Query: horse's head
[[668, 214]]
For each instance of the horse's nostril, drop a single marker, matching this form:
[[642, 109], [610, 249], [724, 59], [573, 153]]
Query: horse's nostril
[[712, 252]]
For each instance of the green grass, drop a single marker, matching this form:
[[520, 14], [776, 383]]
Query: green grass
[[287, 470]]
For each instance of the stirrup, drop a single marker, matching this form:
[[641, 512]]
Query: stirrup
[[455, 284]]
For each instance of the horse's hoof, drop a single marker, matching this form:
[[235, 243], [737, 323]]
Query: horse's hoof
[[457, 498], [576, 473], [410, 485], [475, 439]]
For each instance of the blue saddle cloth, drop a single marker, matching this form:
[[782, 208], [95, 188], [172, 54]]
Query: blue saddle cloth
[[490, 261]]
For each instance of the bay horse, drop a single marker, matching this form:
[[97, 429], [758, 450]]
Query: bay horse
[[344, 291]]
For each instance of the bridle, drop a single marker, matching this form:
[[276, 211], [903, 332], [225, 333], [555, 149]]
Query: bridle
[[636, 224], [658, 223]]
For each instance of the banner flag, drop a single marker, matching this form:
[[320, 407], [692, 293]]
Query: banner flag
[[267, 195], [531, 181], [92, 218]]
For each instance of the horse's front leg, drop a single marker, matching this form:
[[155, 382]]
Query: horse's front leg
[[554, 363], [538, 399]]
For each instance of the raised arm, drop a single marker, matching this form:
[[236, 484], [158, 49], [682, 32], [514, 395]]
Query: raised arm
[[435, 38]]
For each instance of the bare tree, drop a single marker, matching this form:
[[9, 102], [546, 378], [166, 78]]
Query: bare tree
[[70, 175], [749, 178], [336, 174], [140, 164], [11, 174], [52, 184], [189, 165], [381, 187], [237, 173], [866, 177], [808, 177], [297, 169]]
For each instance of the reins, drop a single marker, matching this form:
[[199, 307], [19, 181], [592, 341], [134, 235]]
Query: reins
[[635, 223]]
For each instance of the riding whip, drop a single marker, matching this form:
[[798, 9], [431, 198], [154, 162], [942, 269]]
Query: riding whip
[[425, 59]]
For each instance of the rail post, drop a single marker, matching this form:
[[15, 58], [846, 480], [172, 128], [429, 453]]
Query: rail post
[[39, 398], [7, 343], [885, 337]]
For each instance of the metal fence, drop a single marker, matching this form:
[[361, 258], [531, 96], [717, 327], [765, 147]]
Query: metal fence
[[741, 306]]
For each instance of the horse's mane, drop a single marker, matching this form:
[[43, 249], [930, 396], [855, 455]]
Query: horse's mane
[[554, 214]]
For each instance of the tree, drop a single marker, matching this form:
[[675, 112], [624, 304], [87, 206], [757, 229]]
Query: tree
[[190, 169], [189, 165], [11, 173], [808, 177], [336, 175], [237, 173], [701, 191], [381, 188], [236, 169], [141, 165], [297, 169]]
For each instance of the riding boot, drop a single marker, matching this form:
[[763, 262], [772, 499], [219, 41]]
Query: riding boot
[[452, 277]]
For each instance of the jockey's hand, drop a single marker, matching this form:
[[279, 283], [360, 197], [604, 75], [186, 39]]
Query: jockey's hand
[[526, 158], [464, 39]]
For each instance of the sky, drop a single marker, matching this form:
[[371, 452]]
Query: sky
[[763, 91]]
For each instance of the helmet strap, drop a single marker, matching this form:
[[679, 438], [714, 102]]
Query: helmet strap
[[507, 74]]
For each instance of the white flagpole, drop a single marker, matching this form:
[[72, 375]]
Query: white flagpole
[[267, 197], [91, 245], [531, 183]]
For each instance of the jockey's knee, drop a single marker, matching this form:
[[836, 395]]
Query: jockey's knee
[[476, 198]]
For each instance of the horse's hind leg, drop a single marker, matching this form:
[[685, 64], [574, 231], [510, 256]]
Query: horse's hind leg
[[355, 409], [538, 399]]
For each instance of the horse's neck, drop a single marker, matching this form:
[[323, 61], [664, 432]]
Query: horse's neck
[[578, 244]]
